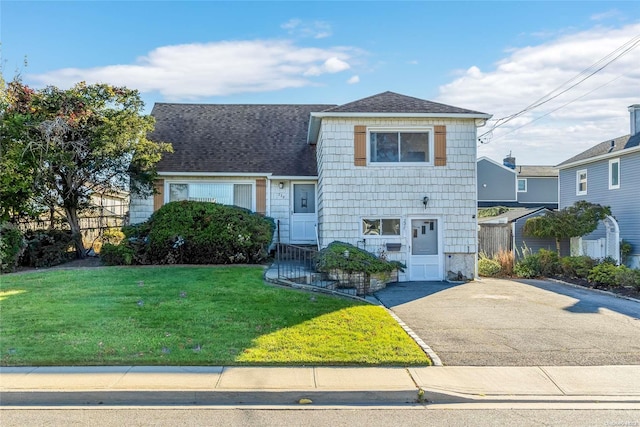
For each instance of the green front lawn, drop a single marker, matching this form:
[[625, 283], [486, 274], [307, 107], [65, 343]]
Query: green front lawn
[[188, 316]]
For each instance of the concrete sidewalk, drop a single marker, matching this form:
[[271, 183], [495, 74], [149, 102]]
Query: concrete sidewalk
[[128, 385]]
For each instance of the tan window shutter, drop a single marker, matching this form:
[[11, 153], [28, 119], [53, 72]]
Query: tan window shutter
[[440, 146], [360, 146], [158, 194], [261, 196]]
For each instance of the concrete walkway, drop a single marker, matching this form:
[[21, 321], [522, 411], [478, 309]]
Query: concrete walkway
[[130, 385]]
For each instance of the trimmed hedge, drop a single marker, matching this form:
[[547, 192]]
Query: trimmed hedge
[[189, 232]]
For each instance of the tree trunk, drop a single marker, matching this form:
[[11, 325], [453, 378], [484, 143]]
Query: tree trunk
[[74, 223], [558, 246]]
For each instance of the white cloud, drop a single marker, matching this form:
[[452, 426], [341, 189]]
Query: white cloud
[[193, 71], [531, 72], [299, 28], [353, 80], [332, 65]]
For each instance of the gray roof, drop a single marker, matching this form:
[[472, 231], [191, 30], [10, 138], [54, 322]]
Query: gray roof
[[390, 102], [536, 171], [229, 138], [605, 147], [512, 214]]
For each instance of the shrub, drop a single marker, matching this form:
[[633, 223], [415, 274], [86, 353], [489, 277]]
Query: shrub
[[505, 259], [576, 266], [122, 254], [346, 257], [626, 249], [48, 248], [113, 236], [488, 267], [604, 273], [201, 233], [528, 267], [627, 277], [549, 262], [12, 246]]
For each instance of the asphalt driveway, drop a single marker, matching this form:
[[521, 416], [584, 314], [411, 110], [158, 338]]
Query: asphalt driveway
[[525, 323]]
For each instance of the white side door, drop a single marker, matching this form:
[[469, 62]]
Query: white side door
[[303, 213], [425, 257]]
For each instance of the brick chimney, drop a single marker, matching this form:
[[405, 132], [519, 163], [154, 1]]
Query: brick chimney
[[635, 119], [510, 161]]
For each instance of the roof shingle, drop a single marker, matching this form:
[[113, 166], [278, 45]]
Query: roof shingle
[[232, 138], [391, 102]]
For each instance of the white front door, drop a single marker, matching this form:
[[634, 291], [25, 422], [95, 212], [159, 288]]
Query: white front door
[[303, 213], [426, 250]]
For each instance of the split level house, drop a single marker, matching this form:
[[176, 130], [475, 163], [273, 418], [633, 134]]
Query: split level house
[[388, 173], [608, 174]]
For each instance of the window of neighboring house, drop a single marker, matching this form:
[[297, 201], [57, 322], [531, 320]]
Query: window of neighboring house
[[522, 185], [390, 146], [614, 174], [223, 193], [381, 227], [581, 182]]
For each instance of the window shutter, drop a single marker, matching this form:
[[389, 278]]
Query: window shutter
[[158, 194], [261, 196], [360, 146], [440, 145]]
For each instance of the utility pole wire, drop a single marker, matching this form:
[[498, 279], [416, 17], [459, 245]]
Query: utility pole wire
[[619, 52], [562, 106]]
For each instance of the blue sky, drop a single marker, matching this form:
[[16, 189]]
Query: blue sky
[[495, 57]]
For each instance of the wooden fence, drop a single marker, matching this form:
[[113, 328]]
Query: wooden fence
[[492, 238]]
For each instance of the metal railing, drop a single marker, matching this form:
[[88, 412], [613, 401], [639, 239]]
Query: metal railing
[[296, 263]]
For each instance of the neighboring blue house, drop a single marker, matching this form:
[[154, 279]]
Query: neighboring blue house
[[608, 174], [516, 186]]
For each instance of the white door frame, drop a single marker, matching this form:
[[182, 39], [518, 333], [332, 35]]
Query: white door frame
[[440, 226], [307, 217]]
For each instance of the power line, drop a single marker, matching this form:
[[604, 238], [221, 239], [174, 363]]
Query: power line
[[587, 73]]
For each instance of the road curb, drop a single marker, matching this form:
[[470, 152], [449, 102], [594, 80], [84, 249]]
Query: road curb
[[207, 397]]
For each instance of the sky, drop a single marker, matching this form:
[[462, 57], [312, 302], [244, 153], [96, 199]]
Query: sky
[[579, 60]]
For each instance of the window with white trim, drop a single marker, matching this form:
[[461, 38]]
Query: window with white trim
[[522, 185], [614, 174], [220, 192], [581, 182], [401, 146], [381, 227]]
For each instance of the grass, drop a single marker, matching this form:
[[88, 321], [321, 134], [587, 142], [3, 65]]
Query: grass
[[188, 316]]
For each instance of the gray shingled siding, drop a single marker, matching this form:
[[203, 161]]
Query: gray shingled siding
[[539, 190], [624, 202], [495, 183]]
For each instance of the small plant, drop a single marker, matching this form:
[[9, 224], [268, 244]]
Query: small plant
[[488, 267], [505, 259], [627, 277], [113, 236], [528, 267], [549, 262], [604, 273], [626, 249], [12, 246], [121, 254], [577, 267]]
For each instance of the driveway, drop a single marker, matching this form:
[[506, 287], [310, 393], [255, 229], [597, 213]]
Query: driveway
[[518, 323]]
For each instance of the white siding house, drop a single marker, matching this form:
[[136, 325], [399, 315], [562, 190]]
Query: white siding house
[[387, 173]]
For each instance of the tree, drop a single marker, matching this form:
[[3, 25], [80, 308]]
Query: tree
[[77, 141], [573, 221]]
